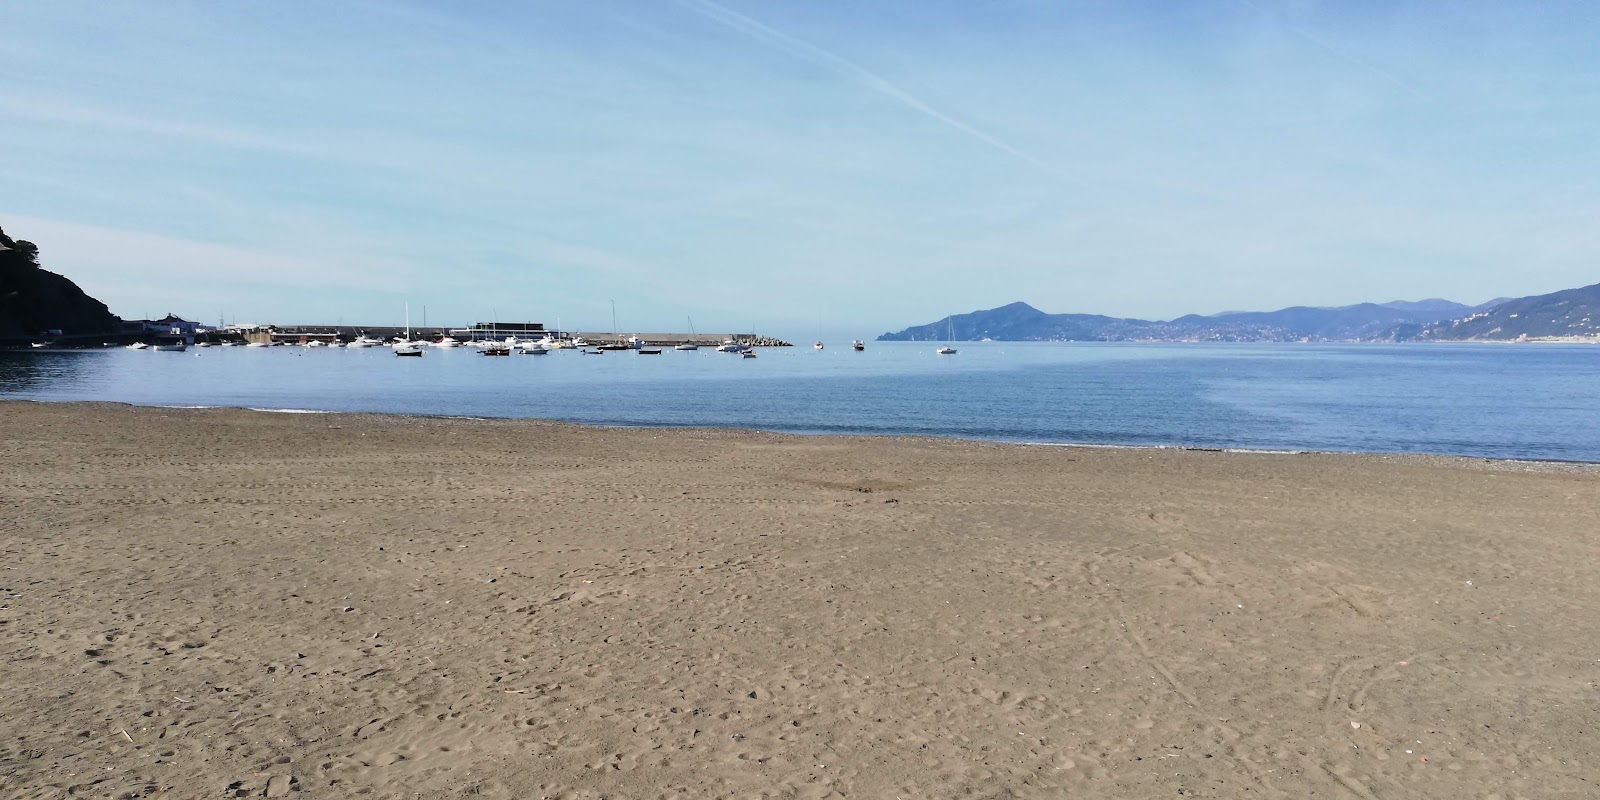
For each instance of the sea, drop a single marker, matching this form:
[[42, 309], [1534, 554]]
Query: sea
[[1539, 401]]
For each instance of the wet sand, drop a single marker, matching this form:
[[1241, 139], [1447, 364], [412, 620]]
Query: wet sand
[[215, 603]]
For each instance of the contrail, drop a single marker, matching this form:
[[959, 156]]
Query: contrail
[[805, 50], [1338, 52]]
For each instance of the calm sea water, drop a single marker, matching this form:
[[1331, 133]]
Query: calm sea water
[[1538, 401]]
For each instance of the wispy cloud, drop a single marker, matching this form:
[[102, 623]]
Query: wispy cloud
[[805, 50], [97, 253]]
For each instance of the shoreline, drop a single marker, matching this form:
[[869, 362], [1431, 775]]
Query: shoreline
[[1390, 454], [220, 601]]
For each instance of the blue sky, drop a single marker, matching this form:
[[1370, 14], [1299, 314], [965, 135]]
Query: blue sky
[[796, 166]]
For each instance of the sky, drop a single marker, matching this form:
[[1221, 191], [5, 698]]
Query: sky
[[812, 168]]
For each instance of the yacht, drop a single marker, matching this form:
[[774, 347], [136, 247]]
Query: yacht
[[137, 346], [728, 346], [689, 344], [406, 347], [447, 341]]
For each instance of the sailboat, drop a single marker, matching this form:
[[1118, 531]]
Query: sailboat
[[689, 345], [406, 347], [947, 350]]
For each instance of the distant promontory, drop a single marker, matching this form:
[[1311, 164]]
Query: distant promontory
[[38, 304], [1572, 314]]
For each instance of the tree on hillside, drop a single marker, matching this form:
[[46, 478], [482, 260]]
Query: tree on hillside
[[28, 249]]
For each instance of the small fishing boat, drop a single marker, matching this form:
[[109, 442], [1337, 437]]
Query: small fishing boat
[[817, 345], [648, 351], [175, 347], [534, 350], [413, 350], [857, 346], [497, 350], [592, 351], [749, 354], [728, 346]]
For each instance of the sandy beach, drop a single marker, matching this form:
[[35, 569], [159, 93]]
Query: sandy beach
[[221, 603]]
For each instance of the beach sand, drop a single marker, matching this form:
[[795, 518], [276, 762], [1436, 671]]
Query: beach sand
[[217, 603]]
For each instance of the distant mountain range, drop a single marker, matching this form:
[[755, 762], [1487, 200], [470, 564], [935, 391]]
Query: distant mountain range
[[1559, 314]]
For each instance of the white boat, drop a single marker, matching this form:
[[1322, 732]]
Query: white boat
[[171, 348], [689, 345], [137, 346], [447, 341], [229, 343], [316, 343], [259, 344], [38, 344], [634, 342], [857, 346], [728, 346], [817, 345], [202, 344], [580, 342], [534, 349], [406, 347], [947, 350]]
